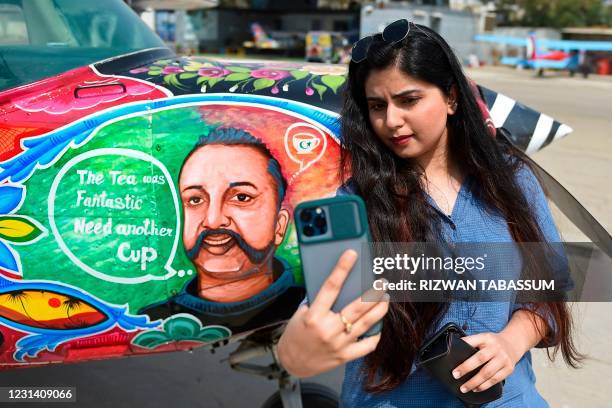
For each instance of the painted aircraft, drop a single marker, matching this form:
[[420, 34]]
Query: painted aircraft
[[288, 43], [108, 140], [261, 39], [542, 54]]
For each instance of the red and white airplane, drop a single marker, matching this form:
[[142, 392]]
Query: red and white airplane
[[541, 54]]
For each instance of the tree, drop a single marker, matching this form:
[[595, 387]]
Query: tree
[[557, 13]]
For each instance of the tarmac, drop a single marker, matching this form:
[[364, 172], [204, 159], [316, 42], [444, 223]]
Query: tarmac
[[582, 162]]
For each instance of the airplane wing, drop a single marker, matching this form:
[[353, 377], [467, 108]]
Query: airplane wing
[[101, 252], [502, 39], [121, 133], [567, 63], [513, 61], [565, 45], [568, 45]]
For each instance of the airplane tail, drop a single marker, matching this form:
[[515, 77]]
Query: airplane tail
[[259, 34], [262, 39], [532, 47]]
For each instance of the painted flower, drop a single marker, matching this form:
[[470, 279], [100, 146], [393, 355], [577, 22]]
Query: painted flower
[[269, 74], [172, 70], [194, 65], [325, 69], [309, 91], [213, 72], [139, 70], [14, 229]]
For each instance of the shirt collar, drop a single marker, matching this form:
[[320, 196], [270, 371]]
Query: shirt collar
[[462, 196], [189, 299]]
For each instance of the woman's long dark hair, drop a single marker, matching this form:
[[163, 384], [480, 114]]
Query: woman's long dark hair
[[396, 202]]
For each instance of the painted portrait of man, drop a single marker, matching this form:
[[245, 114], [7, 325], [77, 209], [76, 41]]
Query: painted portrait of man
[[231, 191]]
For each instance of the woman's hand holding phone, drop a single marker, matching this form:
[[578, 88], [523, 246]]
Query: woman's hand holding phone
[[317, 339], [498, 353], [496, 357]]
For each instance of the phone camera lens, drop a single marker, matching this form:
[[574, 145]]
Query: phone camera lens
[[309, 230], [306, 215], [320, 221]]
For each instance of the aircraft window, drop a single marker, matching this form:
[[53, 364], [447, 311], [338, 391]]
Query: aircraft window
[[58, 35]]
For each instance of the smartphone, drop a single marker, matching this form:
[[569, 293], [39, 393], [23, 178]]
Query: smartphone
[[439, 345], [325, 229]]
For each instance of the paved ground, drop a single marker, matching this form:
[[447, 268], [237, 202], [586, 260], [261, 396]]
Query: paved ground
[[582, 162]]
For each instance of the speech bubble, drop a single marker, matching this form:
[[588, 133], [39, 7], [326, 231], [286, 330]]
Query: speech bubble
[[305, 144], [103, 212]]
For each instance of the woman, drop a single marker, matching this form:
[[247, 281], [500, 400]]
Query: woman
[[428, 169]]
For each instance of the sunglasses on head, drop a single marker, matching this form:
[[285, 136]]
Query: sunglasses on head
[[392, 34]]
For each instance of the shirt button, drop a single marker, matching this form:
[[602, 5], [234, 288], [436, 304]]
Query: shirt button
[[464, 327]]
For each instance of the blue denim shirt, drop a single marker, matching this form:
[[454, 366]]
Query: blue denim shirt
[[470, 221]]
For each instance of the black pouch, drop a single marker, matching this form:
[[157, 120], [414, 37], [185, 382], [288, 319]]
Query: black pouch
[[445, 351]]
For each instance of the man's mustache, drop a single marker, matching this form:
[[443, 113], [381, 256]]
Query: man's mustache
[[256, 256]]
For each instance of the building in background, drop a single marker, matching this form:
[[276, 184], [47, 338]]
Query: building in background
[[228, 27], [169, 19], [458, 27]]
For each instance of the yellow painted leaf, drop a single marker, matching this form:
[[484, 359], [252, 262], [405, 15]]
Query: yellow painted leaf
[[13, 228]]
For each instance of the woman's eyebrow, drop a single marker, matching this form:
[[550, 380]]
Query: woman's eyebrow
[[401, 94], [407, 92]]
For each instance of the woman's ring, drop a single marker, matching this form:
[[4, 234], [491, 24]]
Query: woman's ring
[[348, 326]]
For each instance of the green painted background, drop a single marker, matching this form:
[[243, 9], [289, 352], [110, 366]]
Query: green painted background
[[167, 136]]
